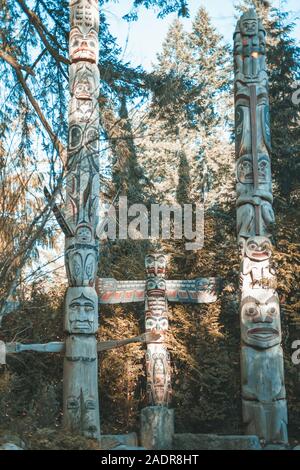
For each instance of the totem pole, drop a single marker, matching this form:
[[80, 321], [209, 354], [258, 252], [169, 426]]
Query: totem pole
[[157, 420], [81, 404], [263, 388], [159, 389]]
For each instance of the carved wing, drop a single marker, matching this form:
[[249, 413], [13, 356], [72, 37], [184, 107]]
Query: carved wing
[[195, 291], [111, 291]]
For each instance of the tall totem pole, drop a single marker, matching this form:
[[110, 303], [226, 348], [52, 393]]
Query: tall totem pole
[[81, 406], [263, 388], [159, 388]]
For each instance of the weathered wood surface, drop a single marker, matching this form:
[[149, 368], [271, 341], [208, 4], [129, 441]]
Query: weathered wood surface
[[2, 353], [111, 291], [144, 338], [263, 389], [157, 428], [81, 407], [55, 347], [194, 291], [201, 290], [59, 347], [81, 214]]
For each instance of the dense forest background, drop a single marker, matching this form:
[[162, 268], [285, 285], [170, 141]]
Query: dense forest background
[[166, 137]]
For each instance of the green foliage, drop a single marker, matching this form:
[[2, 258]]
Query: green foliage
[[164, 7], [283, 59], [31, 384]]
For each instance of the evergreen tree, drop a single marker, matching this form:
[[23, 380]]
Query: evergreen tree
[[284, 66], [186, 120]]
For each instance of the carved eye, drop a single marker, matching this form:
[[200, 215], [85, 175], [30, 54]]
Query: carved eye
[[272, 310], [90, 405], [75, 306], [72, 404], [253, 246], [151, 285], [75, 136], [90, 268], [150, 324], [251, 311], [164, 323], [88, 308], [161, 285], [76, 267], [91, 138]]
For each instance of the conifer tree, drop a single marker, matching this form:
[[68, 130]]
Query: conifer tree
[[186, 120]]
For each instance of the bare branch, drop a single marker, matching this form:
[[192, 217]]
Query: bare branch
[[18, 69], [14, 63], [42, 31]]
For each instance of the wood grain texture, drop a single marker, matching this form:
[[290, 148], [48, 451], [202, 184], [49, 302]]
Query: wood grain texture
[[263, 388]]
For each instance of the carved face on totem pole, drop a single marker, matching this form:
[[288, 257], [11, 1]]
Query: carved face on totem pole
[[260, 318], [81, 310], [84, 47], [249, 23], [245, 169], [155, 265], [156, 316], [83, 89], [258, 248], [157, 322], [81, 265], [84, 233], [158, 386], [156, 287], [81, 360], [83, 411], [81, 137], [84, 80]]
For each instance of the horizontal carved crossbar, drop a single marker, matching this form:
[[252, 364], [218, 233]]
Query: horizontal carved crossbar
[[197, 291], [57, 347]]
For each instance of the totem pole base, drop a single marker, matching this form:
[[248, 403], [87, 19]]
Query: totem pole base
[[119, 440], [266, 420], [157, 427], [215, 442]]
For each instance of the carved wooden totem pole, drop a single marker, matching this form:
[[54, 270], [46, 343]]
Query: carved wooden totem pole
[[263, 388], [156, 292], [81, 404], [159, 389], [157, 420]]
